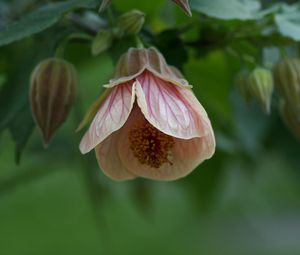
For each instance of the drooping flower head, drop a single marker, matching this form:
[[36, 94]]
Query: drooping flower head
[[150, 124]]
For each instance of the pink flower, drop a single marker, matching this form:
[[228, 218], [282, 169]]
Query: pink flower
[[150, 124]]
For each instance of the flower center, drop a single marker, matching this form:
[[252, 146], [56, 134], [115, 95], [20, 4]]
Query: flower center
[[150, 146]]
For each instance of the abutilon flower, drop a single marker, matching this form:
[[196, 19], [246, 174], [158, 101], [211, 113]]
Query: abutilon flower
[[150, 124]]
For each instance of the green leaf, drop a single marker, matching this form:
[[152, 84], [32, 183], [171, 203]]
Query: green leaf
[[21, 128], [38, 20], [230, 9], [14, 100], [15, 114], [288, 22], [2, 80]]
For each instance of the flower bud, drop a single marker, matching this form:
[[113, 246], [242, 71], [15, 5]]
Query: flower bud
[[184, 5], [131, 22], [261, 86], [52, 94], [102, 42], [290, 118], [104, 5], [287, 78]]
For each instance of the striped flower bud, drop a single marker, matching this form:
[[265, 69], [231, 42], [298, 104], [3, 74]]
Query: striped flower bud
[[184, 5], [290, 118], [131, 22], [104, 5], [52, 94], [261, 86], [287, 78]]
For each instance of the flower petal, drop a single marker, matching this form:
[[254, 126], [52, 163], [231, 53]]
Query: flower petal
[[186, 154], [167, 108], [111, 116], [109, 161]]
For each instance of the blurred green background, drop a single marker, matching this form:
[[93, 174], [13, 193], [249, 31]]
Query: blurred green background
[[245, 200]]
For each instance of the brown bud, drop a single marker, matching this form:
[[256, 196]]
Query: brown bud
[[287, 79], [184, 5], [52, 94]]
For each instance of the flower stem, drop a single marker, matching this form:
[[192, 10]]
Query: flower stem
[[138, 42], [60, 50]]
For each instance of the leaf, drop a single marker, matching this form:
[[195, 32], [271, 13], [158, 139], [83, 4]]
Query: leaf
[[288, 22], [38, 20], [230, 9], [21, 128], [15, 114], [14, 100], [2, 80]]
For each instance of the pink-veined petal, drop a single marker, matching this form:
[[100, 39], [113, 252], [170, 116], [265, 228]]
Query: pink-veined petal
[[186, 154], [166, 107], [109, 161], [111, 116]]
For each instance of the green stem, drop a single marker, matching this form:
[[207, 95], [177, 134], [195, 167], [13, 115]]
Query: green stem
[[139, 43], [283, 52], [60, 50]]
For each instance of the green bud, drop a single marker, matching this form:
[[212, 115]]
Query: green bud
[[131, 22], [287, 79], [261, 86], [242, 84], [102, 42], [290, 118], [52, 94]]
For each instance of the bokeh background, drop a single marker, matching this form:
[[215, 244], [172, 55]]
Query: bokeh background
[[245, 200]]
